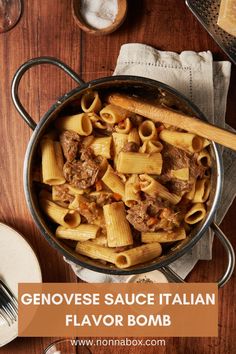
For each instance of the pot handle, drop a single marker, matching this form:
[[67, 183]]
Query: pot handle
[[21, 71], [230, 255]]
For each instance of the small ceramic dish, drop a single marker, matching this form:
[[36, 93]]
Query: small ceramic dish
[[81, 22], [150, 277]]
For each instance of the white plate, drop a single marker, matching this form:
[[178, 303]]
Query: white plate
[[18, 264]]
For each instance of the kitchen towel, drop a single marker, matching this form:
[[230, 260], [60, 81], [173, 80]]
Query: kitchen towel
[[205, 82]]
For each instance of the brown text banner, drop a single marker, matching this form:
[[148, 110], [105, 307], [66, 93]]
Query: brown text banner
[[118, 310]]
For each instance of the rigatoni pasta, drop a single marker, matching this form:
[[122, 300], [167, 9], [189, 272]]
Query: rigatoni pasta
[[137, 255], [134, 162], [113, 181], [133, 137], [124, 127], [132, 194], [83, 232], [151, 146], [147, 131], [102, 147], [90, 102], [195, 214], [79, 123], [164, 236], [60, 215], [185, 141], [202, 190], [204, 158], [51, 163], [116, 186], [153, 188], [112, 114], [92, 250], [119, 141], [118, 229], [189, 195]]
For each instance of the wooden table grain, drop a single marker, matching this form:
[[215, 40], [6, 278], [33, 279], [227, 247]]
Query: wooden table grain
[[47, 28]]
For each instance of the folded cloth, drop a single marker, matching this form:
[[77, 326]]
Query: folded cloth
[[205, 82]]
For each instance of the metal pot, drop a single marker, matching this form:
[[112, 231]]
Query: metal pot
[[140, 86]]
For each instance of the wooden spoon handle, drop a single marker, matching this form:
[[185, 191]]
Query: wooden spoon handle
[[159, 113]]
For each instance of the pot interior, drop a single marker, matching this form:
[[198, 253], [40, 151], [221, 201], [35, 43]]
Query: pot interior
[[144, 88]]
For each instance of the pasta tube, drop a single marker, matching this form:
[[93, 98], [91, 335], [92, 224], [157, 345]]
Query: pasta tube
[[207, 173], [59, 155], [112, 114], [124, 127], [151, 146], [134, 162], [100, 125], [102, 147], [52, 171], [202, 190], [152, 187], [118, 228], [92, 250], [114, 182], [195, 214], [60, 215], [204, 158], [78, 199], [191, 193], [182, 173], [147, 131], [138, 255], [163, 236], [75, 191], [93, 117], [83, 232], [184, 141], [133, 136], [79, 123], [100, 240], [90, 102], [119, 141], [131, 190], [61, 193]]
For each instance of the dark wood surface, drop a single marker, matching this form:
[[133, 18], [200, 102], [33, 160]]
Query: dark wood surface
[[47, 28]]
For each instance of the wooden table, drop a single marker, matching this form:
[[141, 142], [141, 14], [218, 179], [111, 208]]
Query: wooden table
[[47, 28]]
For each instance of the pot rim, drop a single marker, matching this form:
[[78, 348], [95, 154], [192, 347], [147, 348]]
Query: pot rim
[[27, 184]]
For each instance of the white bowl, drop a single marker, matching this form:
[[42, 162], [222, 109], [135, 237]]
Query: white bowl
[[150, 277]]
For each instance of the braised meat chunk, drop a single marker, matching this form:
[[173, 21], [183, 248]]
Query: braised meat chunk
[[70, 142], [82, 174], [92, 213], [179, 187], [61, 192], [174, 159], [152, 215], [103, 198]]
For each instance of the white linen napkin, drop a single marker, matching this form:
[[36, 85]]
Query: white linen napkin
[[206, 83]]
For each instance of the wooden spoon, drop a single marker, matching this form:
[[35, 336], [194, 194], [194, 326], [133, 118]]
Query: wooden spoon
[[158, 113]]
